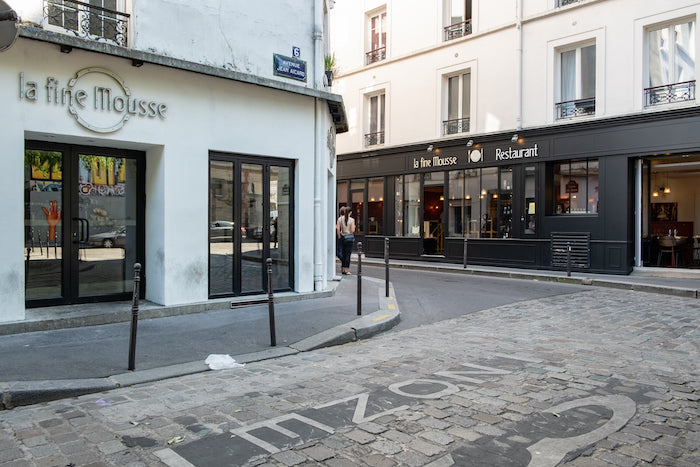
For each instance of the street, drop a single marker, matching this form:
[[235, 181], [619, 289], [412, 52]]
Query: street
[[563, 375]]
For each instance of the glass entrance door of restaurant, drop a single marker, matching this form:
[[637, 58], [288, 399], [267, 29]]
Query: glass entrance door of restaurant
[[433, 208], [83, 223], [250, 220]]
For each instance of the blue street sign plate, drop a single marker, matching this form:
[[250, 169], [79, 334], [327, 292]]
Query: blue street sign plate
[[289, 67]]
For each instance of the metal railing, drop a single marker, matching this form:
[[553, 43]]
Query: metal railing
[[455, 125], [375, 55], [669, 93], [89, 21], [457, 30], [575, 108], [372, 139], [561, 3]]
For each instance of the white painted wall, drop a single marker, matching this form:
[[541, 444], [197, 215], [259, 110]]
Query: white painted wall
[[204, 113], [412, 73]]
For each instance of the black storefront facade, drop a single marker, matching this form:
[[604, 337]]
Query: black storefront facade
[[521, 199]]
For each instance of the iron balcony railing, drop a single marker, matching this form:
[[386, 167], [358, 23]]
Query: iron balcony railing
[[575, 108], [669, 93], [375, 55], [456, 30], [561, 3], [372, 139], [85, 20], [455, 125]]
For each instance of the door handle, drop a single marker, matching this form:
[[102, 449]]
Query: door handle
[[83, 232]]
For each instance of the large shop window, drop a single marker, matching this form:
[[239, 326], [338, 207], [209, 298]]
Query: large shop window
[[575, 187], [671, 64], [250, 219], [480, 203], [375, 206]]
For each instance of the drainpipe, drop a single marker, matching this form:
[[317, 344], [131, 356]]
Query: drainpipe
[[519, 59], [319, 221]]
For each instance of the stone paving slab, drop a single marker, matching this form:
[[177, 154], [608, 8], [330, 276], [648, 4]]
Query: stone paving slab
[[595, 378]]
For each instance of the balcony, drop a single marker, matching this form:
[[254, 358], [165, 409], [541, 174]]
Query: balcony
[[669, 93], [88, 21], [373, 139], [458, 30], [561, 3], [375, 55], [455, 125], [575, 108]]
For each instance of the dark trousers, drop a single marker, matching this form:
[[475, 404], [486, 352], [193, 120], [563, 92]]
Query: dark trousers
[[339, 247], [347, 251]]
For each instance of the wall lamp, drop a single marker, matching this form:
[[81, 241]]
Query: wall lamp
[[514, 138], [470, 143], [137, 63], [430, 148], [66, 49]]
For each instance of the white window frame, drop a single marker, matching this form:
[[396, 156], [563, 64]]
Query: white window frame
[[554, 48], [463, 113], [668, 25], [442, 76], [383, 30], [578, 91], [447, 18], [381, 123]]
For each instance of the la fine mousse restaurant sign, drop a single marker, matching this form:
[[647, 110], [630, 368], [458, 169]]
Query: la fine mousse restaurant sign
[[97, 98]]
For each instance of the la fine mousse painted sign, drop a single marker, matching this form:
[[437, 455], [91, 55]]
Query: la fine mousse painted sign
[[97, 98]]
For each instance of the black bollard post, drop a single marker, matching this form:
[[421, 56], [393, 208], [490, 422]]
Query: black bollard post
[[271, 303], [465, 252], [386, 266], [568, 259], [359, 278], [134, 316]]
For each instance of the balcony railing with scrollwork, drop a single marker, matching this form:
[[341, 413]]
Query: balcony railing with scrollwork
[[455, 125], [89, 21], [372, 139], [669, 93], [375, 55], [575, 108], [456, 30], [561, 3]]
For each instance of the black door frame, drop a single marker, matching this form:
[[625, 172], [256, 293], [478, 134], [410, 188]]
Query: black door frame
[[237, 161], [70, 228]]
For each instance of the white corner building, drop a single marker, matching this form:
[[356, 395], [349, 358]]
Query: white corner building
[[194, 138], [501, 133]]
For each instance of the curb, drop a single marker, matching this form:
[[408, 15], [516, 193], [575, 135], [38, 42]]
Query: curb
[[21, 393], [538, 276]]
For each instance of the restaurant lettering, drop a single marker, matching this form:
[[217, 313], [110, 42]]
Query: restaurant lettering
[[436, 161], [97, 98], [511, 153]]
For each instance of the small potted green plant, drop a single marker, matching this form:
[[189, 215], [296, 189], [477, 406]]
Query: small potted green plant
[[329, 64]]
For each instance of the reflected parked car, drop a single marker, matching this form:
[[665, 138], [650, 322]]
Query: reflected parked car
[[222, 231], [113, 238]]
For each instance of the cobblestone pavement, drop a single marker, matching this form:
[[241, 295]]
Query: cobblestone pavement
[[594, 378]]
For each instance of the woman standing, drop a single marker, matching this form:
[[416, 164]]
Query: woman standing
[[345, 230]]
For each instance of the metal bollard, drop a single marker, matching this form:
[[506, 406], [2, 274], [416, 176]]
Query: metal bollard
[[568, 259], [465, 252], [134, 316], [359, 278], [271, 303], [386, 266]]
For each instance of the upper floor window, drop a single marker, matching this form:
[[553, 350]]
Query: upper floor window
[[93, 19], [458, 90], [577, 82], [671, 64], [375, 119], [377, 38], [458, 18]]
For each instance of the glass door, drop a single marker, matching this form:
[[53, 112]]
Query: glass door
[[83, 223], [433, 208], [250, 220]]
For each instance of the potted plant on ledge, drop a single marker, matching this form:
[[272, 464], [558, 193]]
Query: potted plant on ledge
[[329, 63]]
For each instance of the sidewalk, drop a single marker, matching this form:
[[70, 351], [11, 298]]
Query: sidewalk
[[62, 352], [46, 357]]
